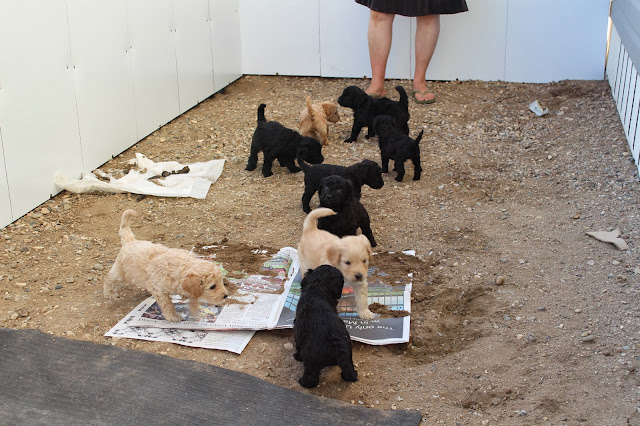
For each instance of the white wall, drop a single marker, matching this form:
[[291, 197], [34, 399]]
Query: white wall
[[512, 40], [83, 80]]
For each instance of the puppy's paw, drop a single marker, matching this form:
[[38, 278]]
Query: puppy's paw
[[110, 295], [399, 178], [267, 174], [307, 382], [297, 357], [349, 140], [366, 315], [416, 178], [172, 316], [350, 376]]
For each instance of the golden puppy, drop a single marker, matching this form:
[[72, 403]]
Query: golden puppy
[[163, 271], [315, 118], [350, 254]]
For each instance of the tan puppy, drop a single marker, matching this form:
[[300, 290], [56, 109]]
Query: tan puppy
[[163, 271], [350, 254], [315, 118]]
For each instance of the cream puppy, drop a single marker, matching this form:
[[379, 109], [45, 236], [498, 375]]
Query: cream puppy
[[350, 254], [163, 271], [315, 119]]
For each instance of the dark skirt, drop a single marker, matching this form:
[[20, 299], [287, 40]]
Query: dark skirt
[[416, 7]]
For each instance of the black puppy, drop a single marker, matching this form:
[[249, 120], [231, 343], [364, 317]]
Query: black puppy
[[366, 172], [321, 337], [397, 147], [278, 142], [365, 109], [336, 193]]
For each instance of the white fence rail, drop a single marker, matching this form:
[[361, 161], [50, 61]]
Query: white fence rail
[[625, 87], [83, 80]]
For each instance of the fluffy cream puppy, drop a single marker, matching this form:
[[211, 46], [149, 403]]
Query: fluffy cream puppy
[[163, 271], [315, 119], [350, 254]]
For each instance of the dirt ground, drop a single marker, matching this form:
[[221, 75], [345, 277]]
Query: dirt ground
[[518, 317]]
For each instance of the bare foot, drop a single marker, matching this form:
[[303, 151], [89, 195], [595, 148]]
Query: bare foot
[[378, 92], [423, 95]]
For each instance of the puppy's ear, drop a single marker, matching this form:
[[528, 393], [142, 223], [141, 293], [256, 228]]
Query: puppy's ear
[[349, 188], [193, 285], [336, 287], [329, 108], [304, 281], [334, 252], [367, 244]]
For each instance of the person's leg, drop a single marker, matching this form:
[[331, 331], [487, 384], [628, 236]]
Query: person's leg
[[379, 37], [427, 31]]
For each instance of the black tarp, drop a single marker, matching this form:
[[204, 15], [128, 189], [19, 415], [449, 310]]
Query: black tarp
[[52, 380]]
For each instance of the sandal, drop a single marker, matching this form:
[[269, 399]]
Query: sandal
[[424, 101]]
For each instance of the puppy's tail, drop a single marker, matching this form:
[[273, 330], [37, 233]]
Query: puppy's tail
[[261, 118], [404, 99], [126, 235], [312, 116], [419, 137], [311, 221], [304, 166]]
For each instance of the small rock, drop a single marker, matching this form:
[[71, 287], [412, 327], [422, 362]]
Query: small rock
[[98, 267], [500, 280], [588, 339], [288, 346]]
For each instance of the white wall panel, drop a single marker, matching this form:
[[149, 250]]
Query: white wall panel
[[153, 63], [343, 42], [6, 216], [613, 56], [193, 51], [224, 22], [471, 45], [37, 106], [102, 78], [280, 36], [550, 40]]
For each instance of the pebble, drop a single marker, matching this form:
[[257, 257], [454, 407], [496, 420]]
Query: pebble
[[288, 346], [588, 339], [500, 280], [98, 267], [591, 262]]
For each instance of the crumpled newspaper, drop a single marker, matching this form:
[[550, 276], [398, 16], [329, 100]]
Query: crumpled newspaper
[[612, 237], [178, 181], [538, 109]]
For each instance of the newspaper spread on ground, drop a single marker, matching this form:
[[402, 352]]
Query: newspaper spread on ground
[[232, 341], [265, 302]]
